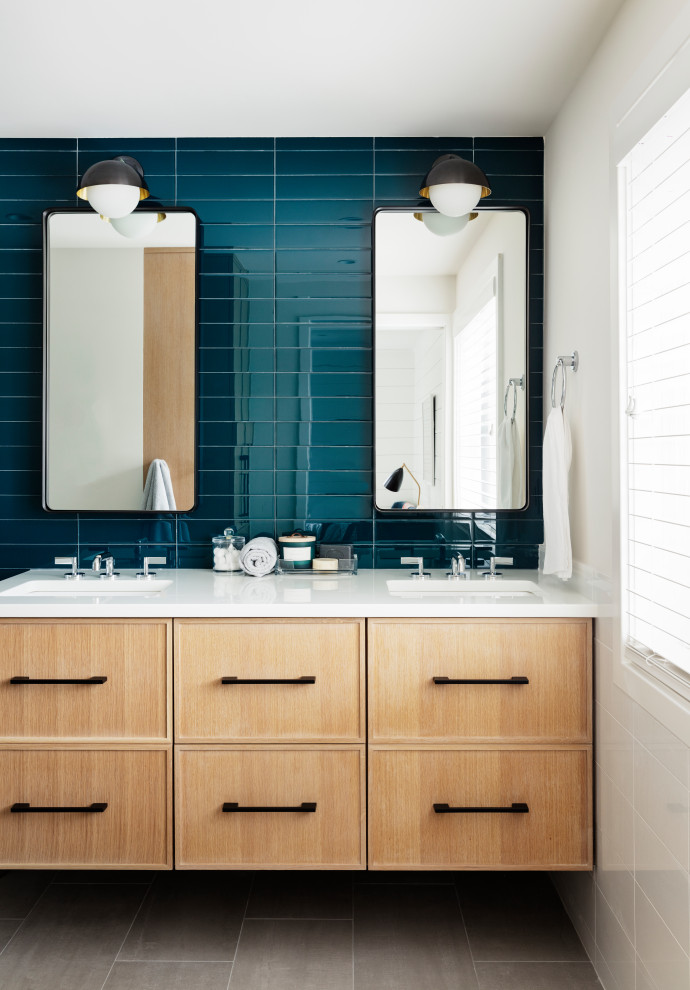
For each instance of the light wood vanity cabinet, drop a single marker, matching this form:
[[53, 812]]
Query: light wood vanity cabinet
[[86, 743], [480, 744]]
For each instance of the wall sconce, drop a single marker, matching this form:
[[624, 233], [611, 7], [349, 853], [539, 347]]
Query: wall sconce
[[444, 226], [114, 187], [135, 224], [454, 185], [394, 482]]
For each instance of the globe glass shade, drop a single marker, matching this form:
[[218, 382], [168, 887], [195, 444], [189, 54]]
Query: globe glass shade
[[444, 226], [135, 224], [454, 199], [112, 200]]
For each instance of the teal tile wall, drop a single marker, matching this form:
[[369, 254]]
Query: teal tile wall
[[285, 336]]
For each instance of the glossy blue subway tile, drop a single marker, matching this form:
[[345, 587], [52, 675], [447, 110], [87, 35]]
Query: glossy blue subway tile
[[225, 455], [239, 286], [236, 359], [323, 434], [199, 187], [323, 482], [340, 162], [27, 507], [399, 189], [21, 434], [21, 286], [343, 285], [224, 144], [20, 310], [304, 458], [324, 144], [354, 531], [323, 211], [332, 310], [20, 482], [256, 411], [23, 408], [241, 435], [417, 527], [43, 162], [229, 310], [227, 482], [20, 557], [20, 458], [404, 161], [323, 506], [336, 261], [51, 188], [509, 143], [521, 161], [323, 335], [515, 188], [330, 410], [225, 162], [232, 210], [322, 384], [337, 360], [126, 145], [306, 187], [20, 383], [21, 262], [38, 144], [20, 236], [237, 237], [247, 335], [435, 145], [323, 236], [237, 385], [111, 531], [253, 262], [45, 530]]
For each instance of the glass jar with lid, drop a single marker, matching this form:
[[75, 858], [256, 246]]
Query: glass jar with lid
[[226, 551]]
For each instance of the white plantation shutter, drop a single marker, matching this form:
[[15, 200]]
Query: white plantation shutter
[[656, 544], [474, 412]]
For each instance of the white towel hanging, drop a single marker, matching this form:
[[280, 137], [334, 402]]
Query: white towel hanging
[[558, 556]]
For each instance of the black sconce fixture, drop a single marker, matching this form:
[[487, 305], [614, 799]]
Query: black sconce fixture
[[454, 185], [114, 187]]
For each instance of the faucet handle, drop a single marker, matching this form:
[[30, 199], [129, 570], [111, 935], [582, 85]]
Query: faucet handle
[[146, 573], [420, 574], [504, 561], [72, 562]]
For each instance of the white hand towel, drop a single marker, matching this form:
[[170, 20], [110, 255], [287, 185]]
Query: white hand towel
[[518, 469], [505, 455], [158, 490], [259, 556], [558, 556]]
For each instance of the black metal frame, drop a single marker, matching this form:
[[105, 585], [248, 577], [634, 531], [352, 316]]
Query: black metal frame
[[108, 513], [437, 512]]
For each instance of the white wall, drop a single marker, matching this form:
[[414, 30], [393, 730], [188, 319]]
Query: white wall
[[396, 428], [632, 912], [96, 379]]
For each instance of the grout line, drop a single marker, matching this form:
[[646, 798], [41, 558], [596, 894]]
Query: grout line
[[136, 915], [467, 935], [244, 918], [24, 920]]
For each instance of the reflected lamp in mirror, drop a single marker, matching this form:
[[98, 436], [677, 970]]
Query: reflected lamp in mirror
[[120, 357], [135, 224], [454, 185], [442, 226], [450, 332], [394, 483], [113, 188]]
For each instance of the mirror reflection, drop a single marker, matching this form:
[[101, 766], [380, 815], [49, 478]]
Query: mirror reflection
[[450, 319], [120, 338]]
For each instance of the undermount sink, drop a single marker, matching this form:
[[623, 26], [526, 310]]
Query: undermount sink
[[93, 587], [492, 588]]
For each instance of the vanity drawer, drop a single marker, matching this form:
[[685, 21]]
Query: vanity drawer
[[311, 676], [132, 703], [406, 832], [407, 704], [329, 837], [134, 830]]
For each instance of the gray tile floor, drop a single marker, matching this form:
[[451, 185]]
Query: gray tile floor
[[286, 931]]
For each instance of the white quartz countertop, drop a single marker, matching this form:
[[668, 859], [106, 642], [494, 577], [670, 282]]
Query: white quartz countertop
[[206, 594]]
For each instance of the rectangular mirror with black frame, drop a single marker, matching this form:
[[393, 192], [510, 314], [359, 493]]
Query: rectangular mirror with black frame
[[450, 359], [120, 345]]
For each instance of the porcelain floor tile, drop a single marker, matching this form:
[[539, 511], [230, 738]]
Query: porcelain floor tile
[[20, 889], [312, 895], [294, 955], [169, 976], [537, 976]]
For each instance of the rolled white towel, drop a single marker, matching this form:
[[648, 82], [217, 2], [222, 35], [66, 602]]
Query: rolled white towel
[[259, 556]]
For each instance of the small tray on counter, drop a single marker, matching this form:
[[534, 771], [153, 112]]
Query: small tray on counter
[[347, 567]]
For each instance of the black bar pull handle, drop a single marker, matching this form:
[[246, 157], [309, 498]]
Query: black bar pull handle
[[234, 806], [481, 680], [517, 808], [268, 680], [25, 809], [58, 680]]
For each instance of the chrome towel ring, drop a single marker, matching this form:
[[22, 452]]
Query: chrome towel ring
[[515, 383], [564, 361]]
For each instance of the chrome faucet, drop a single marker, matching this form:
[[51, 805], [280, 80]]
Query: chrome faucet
[[492, 572], [420, 574], [458, 568], [146, 574], [107, 559]]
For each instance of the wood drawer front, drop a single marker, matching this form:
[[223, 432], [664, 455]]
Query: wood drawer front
[[406, 705], [330, 709], [406, 832], [331, 837], [131, 704], [133, 831]]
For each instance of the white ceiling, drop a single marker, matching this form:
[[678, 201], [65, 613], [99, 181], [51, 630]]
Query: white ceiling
[[305, 68]]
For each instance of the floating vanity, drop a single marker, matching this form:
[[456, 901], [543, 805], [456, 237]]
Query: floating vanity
[[295, 722]]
